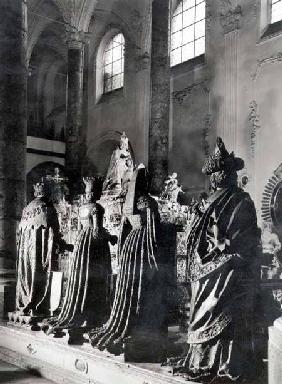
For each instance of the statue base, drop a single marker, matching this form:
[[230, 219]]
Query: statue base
[[55, 360], [151, 348]]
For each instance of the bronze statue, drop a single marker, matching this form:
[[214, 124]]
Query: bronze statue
[[137, 320], [85, 304], [38, 238], [222, 268]]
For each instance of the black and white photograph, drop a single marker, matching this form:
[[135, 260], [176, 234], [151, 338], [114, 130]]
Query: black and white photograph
[[141, 191]]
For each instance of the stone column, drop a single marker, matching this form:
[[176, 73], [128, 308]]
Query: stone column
[[75, 43], [275, 352], [13, 81], [160, 94], [230, 23]]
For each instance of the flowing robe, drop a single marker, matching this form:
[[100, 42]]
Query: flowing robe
[[37, 237], [139, 304], [84, 303], [117, 169], [222, 282]]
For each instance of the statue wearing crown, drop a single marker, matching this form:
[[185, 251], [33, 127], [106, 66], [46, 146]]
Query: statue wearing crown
[[85, 303], [38, 240], [120, 169], [223, 264]]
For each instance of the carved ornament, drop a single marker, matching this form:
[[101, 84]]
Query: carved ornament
[[184, 93], [276, 58], [230, 17], [143, 61], [205, 134], [253, 119]]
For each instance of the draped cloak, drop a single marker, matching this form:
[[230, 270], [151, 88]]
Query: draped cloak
[[138, 307], [37, 237], [223, 285], [84, 303]]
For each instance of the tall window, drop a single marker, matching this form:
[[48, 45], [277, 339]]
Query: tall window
[[276, 11], [188, 31], [113, 67]]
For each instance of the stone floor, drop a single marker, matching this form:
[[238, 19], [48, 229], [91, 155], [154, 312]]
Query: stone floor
[[11, 374]]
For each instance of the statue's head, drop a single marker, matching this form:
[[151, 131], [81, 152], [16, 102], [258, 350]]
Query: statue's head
[[123, 141], [89, 188], [222, 167]]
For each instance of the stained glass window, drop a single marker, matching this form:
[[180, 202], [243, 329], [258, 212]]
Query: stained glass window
[[276, 11], [114, 64], [188, 31]]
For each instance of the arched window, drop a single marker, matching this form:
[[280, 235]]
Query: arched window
[[188, 31], [113, 63], [276, 11]]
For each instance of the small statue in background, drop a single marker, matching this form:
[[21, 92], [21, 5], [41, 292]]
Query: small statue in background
[[85, 303], [171, 188], [121, 165], [271, 247], [37, 241]]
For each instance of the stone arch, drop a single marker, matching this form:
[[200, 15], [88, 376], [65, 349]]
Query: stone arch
[[99, 153]]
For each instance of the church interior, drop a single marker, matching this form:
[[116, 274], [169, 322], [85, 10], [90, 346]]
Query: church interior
[[141, 190]]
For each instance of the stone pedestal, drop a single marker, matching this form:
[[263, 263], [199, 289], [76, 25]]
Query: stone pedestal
[[13, 80], [74, 103], [160, 95], [56, 360], [275, 353]]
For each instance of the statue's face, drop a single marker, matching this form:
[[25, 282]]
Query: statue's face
[[222, 179], [124, 144], [88, 197]]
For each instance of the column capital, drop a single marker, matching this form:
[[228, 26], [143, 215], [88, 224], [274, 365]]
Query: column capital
[[76, 39], [230, 18]]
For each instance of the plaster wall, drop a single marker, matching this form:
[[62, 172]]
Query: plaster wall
[[242, 101], [125, 109]]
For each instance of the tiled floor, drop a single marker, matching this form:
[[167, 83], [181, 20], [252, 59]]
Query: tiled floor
[[11, 374]]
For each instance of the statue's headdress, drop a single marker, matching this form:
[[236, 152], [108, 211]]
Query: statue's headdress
[[89, 184], [222, 161], [39, 189], [124, 139]]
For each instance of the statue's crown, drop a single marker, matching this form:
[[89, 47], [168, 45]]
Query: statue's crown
[[89, 184], [222, 160], [39, 189], [124, 138]]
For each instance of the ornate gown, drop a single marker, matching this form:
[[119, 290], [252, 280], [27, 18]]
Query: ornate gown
[[85, 301], [37, 237], [139, 305], [222, 282]]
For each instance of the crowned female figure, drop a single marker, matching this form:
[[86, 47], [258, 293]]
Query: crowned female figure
[[85, 303], [138, 311], [38, 238], [222, 268], [121, 165]]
